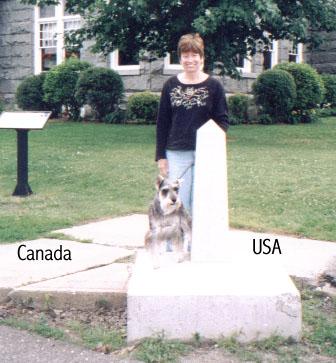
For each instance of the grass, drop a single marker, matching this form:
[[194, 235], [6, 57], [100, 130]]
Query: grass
[[160, 350], [261, 351], [40, 327], [281, 178], [92, 337], [78, 172], [97, 337], [319, 312]]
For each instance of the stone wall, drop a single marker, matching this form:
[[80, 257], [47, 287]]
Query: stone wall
[[324, 57], [98, 60], [16, 46], [152, 77]]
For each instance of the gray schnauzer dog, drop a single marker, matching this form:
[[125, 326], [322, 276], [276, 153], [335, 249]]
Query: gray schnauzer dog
[[168, 221]]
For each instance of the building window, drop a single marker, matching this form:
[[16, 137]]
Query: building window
[[47, 11], [48, 45], [295, 53], [174, 58], [243, 65], [270, 55], [51, 23], [127, 58], [125, 63], [171, 63], [71, 24]]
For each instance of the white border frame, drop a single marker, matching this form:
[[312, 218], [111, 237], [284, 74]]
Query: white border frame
[[247, 66], [299, 54], [129, 70], [275, 53], [170, 68], [59, 19]]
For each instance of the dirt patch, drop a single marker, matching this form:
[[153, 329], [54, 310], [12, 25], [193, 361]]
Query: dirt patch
[[107, 317]]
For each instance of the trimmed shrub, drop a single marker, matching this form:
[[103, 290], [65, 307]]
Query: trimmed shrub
[[329, 81], [238, 105], [265, 119], [309, 85], [143, 107], [275, 93], [60, 85], [101, 88], [326, 112], [116, 117], [29, 95]]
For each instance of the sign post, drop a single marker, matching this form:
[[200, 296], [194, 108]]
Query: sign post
[[23, 122], [22, 188]]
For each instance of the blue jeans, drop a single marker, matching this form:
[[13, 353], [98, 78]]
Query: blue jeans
[[178, 163]]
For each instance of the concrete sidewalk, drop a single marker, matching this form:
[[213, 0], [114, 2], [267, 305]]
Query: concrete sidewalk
[[100, 269]]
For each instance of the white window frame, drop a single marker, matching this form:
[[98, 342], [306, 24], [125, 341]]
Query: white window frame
[[123, 70], [274, 53], [247, 68], [170, 68], [299, 54], [59, 19]]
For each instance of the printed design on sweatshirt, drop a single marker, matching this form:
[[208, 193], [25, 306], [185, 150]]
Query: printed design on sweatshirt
[[189, 97]]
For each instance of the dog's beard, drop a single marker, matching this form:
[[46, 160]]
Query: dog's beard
[[168, 206]]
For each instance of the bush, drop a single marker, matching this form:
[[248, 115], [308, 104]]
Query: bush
[[101, 88], [326, 112], [238, 105], [275, 94], [329, 81], [143, 107], [265, 119], [29, 95], [116, 117], [309, 85], [59, 85]]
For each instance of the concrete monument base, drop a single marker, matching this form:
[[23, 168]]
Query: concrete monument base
[[213, 299]]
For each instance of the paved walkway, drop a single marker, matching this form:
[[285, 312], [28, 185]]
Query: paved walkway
[[101, 266]]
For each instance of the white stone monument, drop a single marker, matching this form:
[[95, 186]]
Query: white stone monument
[[210, 200], [219, 292]]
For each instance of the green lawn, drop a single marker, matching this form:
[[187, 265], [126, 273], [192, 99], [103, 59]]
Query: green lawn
[[281, 178]]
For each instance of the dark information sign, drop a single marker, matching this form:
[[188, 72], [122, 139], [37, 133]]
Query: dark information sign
[[23, 122]]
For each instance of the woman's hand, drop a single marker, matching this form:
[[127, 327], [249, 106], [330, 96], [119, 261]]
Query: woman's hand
[[163, 167]]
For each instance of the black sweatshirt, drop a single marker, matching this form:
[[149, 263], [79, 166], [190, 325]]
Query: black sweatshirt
[[183, 109]]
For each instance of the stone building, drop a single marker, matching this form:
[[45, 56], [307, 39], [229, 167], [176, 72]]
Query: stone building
[[324, 58], [31, 41]]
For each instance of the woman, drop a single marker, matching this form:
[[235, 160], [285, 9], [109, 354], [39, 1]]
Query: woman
[[188, 100]]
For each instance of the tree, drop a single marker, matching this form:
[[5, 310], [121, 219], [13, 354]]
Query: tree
[[229, 28]]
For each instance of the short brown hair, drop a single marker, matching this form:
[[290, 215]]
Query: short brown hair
[[191, 43]]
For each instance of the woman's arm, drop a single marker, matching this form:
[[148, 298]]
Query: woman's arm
[[163, 123], [220, 109]]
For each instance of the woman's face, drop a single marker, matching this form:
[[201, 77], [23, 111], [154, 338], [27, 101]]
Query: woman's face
[[191, 62]]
